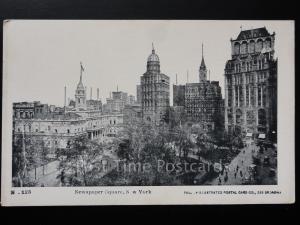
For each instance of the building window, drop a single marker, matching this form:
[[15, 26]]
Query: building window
[[264, 97], [259, 45], [251, 46], [239, 118], [252, 98], [262, 117], [259, 95], [268, 43], [236, 48], [247, 95], [244, 47]]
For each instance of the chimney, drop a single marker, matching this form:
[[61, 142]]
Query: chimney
[[65, 97], [91, 96], [187, 76]]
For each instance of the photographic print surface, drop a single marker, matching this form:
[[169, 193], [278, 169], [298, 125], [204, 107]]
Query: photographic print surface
[[94, 107], [190, 109]]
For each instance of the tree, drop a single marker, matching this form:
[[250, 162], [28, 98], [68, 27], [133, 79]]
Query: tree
[[174, 116], [146, 144], [78, 162], [28, 153]]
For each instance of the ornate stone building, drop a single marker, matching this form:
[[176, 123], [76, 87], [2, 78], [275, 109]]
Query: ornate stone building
[[178, 95], [251, 83], [202, 101], [138, 94], [56, 126], [155, 91]]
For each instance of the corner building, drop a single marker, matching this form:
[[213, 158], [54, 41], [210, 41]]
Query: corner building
[[202, 101], [155, 91], [251, 83]]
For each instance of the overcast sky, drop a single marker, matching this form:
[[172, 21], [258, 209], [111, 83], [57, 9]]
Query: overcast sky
[[41, 57]]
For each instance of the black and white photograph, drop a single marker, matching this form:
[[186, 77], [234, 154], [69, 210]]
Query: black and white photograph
[[145, 103]]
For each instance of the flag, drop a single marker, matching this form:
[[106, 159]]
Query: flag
[[82, 69]]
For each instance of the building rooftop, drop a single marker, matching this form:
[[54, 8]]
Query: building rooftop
[[153, 57], [253, 33], [58, 116]]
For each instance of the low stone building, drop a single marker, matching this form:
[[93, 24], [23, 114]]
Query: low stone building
[[57, 126]]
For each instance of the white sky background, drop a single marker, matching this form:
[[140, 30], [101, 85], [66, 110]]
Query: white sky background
[[41, 57]]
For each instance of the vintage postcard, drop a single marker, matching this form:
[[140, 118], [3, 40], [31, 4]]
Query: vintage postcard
[[129, 112]]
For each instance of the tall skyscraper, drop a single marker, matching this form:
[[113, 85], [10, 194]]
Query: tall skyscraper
[[251, 83], [155, 90]]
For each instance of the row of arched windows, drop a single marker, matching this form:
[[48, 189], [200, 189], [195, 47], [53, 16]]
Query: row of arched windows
[[251, 46]]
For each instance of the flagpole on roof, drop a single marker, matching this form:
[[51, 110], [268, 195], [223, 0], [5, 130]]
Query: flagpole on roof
[[81, 70]]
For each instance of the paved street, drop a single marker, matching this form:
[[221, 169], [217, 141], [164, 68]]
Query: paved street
[[50, 178], [243, 160]]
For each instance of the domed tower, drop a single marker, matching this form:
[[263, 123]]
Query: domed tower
[[202, 69], [154, 90], [153, 62], [80, 93]]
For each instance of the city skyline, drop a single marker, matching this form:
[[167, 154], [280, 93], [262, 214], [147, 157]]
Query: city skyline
[[52, 69]]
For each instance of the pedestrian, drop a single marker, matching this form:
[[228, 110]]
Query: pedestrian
[[225, 178], [242, 162], [237, 168], [62, 178], [220, 181], [241, 173], [235, 174]]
